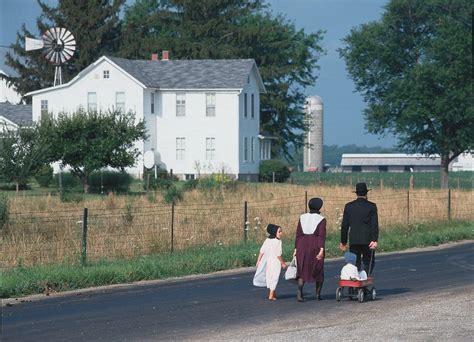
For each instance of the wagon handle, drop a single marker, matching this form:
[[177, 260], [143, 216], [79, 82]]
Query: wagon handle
[[371, 260]]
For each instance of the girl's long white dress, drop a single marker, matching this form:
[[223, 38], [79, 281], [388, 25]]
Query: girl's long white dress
[[269, 268]]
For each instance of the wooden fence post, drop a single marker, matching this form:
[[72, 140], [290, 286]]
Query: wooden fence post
[[245, 221], [306, 201], [84, 239], [172, 226], [408, 207], [449, 204]]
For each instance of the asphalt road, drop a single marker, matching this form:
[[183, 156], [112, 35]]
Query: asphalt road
[[228, 306]]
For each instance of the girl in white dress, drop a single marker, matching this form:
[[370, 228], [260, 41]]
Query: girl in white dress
[[269, 261]]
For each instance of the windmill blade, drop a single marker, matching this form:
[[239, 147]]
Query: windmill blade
[[64, 56], [68, 55], [33, 44], [48, 36], [49, 55], [68, 37], [62, 33], [70, 49]]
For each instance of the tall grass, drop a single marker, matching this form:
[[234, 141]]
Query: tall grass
[[44, 230]]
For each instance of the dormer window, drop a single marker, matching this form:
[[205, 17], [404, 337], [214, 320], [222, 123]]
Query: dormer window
[[106, 74]]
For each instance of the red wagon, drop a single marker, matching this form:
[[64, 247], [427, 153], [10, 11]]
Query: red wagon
[[356, 289]]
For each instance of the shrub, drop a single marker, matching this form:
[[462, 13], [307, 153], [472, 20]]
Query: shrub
[[44, 176], [4, 210], [109, 181], [163, 181], [173, 194], [268, 167], [70, 196]]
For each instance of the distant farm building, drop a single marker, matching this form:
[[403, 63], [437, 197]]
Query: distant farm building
[[398, 162]]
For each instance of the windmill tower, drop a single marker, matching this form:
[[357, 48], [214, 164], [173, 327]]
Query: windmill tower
[[58, 46], [313, 149]]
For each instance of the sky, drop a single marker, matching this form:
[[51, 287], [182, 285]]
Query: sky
[[343, 120]]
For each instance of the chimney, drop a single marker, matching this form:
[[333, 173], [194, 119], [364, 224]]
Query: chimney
[[154, 56], [165, 55]]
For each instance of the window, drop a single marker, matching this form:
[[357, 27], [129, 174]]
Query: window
[[210, 148], [211, 104], [120, 101], [252, 109], [245, 105], [92, 101], [246, 149], [356, 168], [252, 150], [180, 104], [189, 176], [44, 107], [152, 102], [180, 148], [106, 74], [383, 168]]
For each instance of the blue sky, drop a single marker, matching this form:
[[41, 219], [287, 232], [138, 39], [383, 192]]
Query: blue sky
[[343, 122]]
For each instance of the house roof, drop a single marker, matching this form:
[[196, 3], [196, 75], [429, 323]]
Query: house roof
[[21, 115], [179, 74], [375, 159], [189, 74]]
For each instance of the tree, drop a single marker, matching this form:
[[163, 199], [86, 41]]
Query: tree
[[216, 29], [21, 154], [414, 69], [94, 23], [88, 141]]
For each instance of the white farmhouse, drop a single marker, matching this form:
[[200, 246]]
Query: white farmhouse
[[202, 116]]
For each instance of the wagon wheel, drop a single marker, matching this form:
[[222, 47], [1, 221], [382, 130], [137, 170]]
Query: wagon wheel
[[338, 293], [360, 295], [374, 293]]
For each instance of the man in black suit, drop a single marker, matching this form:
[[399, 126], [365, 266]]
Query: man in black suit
[[361, 217]]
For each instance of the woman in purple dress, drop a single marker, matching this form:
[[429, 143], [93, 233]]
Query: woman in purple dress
[[309, 248]]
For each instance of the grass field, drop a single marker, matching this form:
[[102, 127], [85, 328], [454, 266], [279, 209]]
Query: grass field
[[62, 277], [397, 180], [43, 230]]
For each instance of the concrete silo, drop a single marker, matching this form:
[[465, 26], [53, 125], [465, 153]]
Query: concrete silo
[[313, 149]]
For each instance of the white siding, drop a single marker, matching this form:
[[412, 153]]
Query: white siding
[[249, 127], [70, 97], [196, 127]]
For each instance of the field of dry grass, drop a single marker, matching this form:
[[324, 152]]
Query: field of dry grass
[[45, 230]]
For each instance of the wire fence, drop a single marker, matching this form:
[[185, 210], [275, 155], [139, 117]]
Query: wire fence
[[89, 234]]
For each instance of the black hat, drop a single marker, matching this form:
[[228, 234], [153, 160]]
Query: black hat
[[315, 204], [361, 189]]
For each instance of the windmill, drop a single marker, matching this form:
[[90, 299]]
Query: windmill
[[59, 46]]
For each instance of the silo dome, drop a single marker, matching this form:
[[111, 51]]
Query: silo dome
[[313, 149]]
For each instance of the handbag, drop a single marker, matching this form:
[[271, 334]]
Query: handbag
[[291, 271]]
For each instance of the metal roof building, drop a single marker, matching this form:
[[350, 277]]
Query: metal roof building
[[392, 162]]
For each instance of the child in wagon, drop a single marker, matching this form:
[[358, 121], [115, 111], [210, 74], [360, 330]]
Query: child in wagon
[[269, 261], [350, 271]]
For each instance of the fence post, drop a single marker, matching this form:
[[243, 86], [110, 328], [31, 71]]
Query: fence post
[[245, 221], [84, 238], [408, 207], [172, 227], [273, 177], [305, 201], [449, 204]]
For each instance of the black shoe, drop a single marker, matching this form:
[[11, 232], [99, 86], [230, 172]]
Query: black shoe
[[318, 297], [299, 296]]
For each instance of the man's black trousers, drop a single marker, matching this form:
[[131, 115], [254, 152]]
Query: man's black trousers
[[363, 252]]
